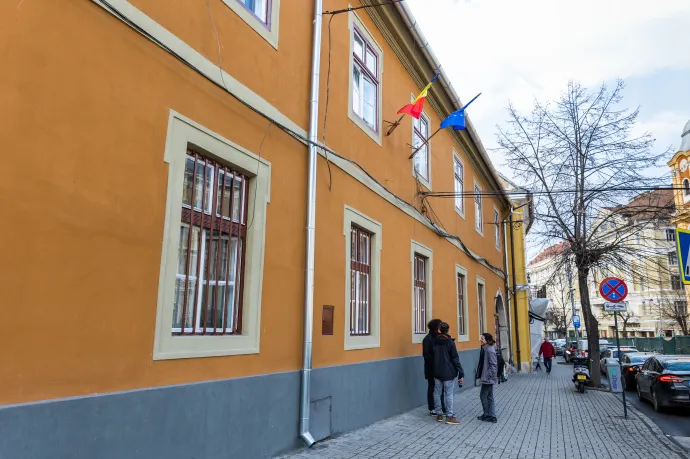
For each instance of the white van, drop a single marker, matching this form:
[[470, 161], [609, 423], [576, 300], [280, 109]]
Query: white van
[[582, 345]]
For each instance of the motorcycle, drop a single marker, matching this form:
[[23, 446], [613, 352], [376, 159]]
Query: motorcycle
[[581, 376]]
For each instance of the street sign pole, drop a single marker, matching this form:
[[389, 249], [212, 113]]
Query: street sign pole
[[620, 364], [614, 291]]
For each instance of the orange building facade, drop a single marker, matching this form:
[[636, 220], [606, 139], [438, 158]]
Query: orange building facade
[[155, 190]]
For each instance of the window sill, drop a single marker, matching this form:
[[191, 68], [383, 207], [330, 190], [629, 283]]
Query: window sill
[[426, 183], [368, 130], [463, 339], [481, 233], [417, 338], [461, 213], [355, 343], [268, 33]]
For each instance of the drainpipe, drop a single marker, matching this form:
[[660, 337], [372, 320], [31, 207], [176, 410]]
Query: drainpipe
[[305, 393], [509, 295], [512, 272]]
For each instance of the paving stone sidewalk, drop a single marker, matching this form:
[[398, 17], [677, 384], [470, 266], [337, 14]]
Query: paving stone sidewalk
[[540, 416]]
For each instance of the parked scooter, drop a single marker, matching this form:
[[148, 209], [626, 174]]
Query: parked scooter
[[581, 376]]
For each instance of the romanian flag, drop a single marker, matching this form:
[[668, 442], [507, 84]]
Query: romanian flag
[[415, 108]]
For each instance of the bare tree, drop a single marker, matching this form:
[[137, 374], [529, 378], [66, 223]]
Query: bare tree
[[674, 308], [624, 319], [583, 164], [559, 315]]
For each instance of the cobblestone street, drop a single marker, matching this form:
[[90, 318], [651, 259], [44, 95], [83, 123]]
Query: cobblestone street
[[540, 416]]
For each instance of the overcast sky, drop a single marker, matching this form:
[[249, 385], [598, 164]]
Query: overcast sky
[[521, 49]]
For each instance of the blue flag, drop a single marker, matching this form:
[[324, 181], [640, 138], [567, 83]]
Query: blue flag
[[457, 118]]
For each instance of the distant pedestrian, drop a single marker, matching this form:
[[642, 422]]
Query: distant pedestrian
[[549, 353], [446, 369], [428, 354], [487, 373]]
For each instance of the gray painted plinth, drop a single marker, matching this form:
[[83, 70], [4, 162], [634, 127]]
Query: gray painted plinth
[[247, 418]]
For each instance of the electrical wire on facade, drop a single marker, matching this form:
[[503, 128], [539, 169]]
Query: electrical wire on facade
[[291, 132], [452, 194]]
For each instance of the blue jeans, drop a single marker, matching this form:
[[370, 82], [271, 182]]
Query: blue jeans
[[447, 387], [547, 364], [487, 396]]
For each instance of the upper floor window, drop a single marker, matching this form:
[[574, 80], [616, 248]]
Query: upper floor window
[[478, 218], [260, 15], [497, 229], [421, 158], [365, 81], [686, 187], [670, 234], [259, 8], [673, 259], [675, 282], [459, 173], [366, 71]]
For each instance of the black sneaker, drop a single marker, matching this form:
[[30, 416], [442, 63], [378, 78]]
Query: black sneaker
[[492, 419], [483, 417]]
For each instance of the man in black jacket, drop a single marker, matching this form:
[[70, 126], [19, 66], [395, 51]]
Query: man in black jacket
[[446, 369], [428, 354]]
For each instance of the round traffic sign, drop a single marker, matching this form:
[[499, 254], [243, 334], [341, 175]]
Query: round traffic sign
[[613, 289]]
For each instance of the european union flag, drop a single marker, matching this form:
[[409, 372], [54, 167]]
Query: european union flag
[[457, 118]]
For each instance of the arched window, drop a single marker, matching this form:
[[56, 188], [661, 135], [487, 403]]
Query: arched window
[[686, 187]]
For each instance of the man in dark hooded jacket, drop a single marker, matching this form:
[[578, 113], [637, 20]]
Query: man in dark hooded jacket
[[428, 354], [446, 369]]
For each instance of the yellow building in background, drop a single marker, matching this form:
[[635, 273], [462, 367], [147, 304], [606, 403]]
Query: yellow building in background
[[517, 226], [680, 170]]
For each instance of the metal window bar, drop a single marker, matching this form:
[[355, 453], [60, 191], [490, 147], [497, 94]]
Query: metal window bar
[[360, 282], [420, 294], [219, 249], [461, 304]]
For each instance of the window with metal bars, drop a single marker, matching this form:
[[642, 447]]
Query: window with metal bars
[[213, 227], [462, 321], [360, 285], [420, 287], [480, 303]]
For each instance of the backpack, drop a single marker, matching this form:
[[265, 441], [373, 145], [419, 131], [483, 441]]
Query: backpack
[[501, 367]]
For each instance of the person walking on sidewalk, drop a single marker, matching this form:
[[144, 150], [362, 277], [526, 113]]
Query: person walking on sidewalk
[[487, 373], [549, 353], [446, 369], [428, 354]]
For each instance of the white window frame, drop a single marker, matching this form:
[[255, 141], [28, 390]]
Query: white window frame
[[375, 134], [464, 338], [424, 181], [481, 319], [497, 229], [426, 252], [460, 211], [478, 216], [183, 133], [268, 31], [355, 217]]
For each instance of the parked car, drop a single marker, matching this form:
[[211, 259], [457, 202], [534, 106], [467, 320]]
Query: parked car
[[631, 362], [559, 346], [610, 356], [665, 380]]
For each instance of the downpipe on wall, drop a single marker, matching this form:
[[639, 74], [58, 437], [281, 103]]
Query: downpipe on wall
[[305, 392], [509, 293]]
